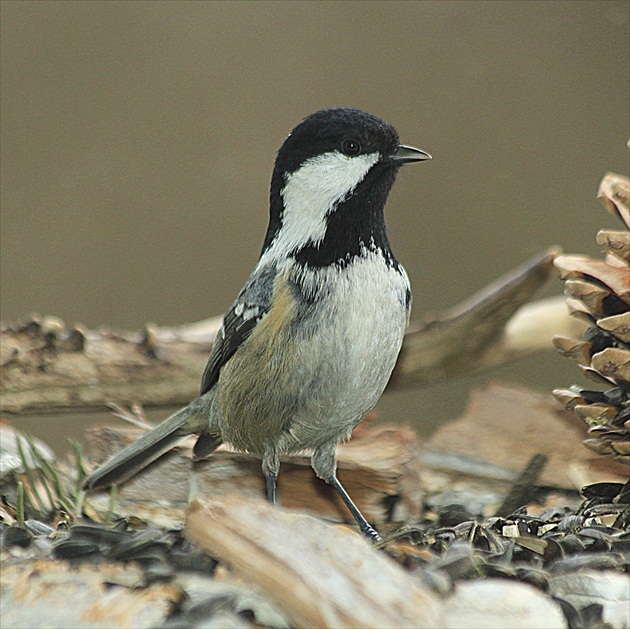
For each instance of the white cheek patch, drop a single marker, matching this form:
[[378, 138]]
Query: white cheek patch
[[311, 193]]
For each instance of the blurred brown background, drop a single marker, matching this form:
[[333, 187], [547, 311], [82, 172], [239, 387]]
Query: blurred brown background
[[138, 140]]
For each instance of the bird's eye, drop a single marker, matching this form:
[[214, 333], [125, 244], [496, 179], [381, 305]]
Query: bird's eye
[[351, 148]]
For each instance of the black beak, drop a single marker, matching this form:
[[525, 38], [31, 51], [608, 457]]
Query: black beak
[[407, 154]]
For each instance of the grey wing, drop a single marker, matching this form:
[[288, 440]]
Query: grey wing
[[251, 305]]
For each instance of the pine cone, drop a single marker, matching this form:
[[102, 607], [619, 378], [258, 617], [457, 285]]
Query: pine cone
[[599, 292]]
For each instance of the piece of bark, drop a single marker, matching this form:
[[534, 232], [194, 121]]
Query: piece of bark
[[498, 603], [505, 425], [50, 593], [317, 574], [380, 468], [222, 592], [48, 366], [606, 588]]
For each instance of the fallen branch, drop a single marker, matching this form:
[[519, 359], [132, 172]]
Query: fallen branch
[[47, 366]]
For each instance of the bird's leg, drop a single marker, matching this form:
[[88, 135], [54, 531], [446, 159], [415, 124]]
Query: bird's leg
[[271, 467], [364, 526], [324, 462], [271, 488]]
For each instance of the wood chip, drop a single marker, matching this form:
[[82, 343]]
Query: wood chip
[[499, 603], [48, 593], [506, 425], [380, 468], [610, 589], [339, 580]]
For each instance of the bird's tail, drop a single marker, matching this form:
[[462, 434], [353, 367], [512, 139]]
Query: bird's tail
[[137, 455]]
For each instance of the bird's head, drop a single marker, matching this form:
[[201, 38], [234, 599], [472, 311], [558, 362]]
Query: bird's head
[[330, 182]]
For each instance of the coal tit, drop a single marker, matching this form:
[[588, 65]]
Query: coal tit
[[307, 348]]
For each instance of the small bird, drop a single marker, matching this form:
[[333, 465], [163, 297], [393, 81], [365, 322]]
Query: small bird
[[309, 345]]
